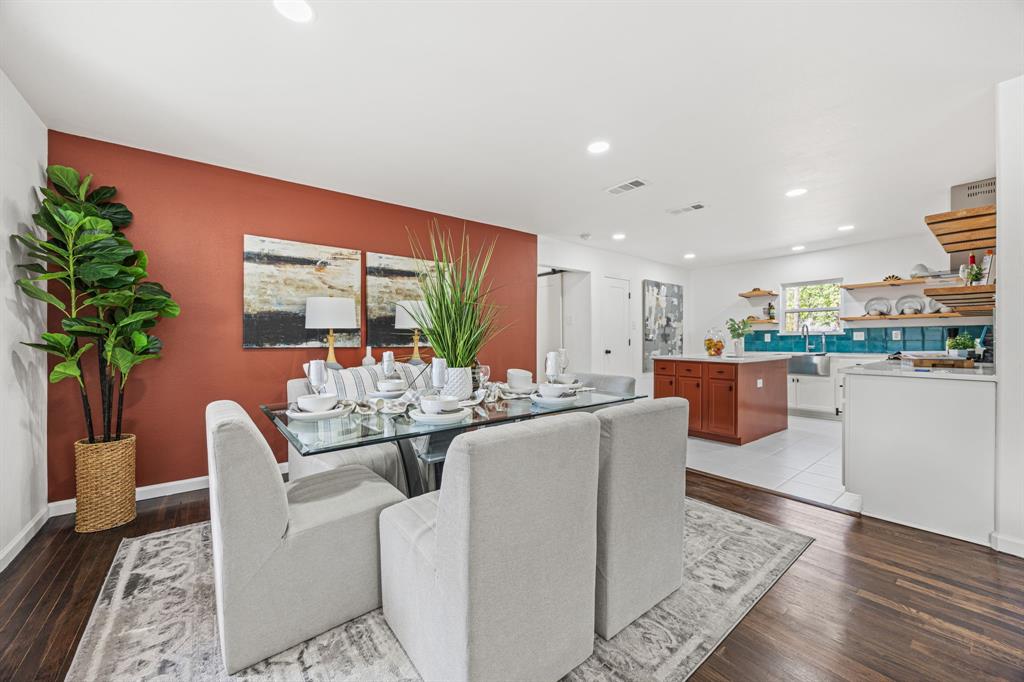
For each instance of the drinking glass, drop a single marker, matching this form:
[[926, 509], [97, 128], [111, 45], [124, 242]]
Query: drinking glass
[[563, 360], [485, 374], [318, 375]]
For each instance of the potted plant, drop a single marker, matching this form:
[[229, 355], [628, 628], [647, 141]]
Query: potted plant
[[457, 315], [960, 345], [974, 274], [107, 306], [738, 330]]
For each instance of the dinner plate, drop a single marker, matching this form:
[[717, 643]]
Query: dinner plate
[[436, 419], [879, 305], [387, 395], [552, 402], [300, 416], [911, 301]]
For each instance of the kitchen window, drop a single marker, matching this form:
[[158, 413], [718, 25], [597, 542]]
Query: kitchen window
[[815, 304]]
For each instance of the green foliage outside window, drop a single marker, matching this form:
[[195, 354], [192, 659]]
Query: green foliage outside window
[[816, 305]]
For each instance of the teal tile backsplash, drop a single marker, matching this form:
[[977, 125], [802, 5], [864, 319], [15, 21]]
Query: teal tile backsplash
[[876, 340]]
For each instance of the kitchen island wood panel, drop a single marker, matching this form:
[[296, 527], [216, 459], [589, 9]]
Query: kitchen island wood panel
[[734, 402]]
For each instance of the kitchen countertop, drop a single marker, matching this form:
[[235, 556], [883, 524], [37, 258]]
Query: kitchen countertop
[[892, 368], [728, 359]]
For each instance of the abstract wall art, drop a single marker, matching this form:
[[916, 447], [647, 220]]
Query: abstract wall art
[[389, 279], [278, 277], [663, 320]]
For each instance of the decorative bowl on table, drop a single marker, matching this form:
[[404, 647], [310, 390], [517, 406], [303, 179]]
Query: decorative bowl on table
[[437, 404], [714, 342], [555, 390], [315, 402], [389, 385]]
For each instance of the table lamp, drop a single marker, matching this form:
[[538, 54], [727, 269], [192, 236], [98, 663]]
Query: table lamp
[[330, 313], [404, 320]]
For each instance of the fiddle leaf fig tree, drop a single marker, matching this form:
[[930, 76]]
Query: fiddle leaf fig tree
[[97, 281]]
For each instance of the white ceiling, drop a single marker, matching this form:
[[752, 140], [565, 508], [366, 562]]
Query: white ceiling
[[483, 110]]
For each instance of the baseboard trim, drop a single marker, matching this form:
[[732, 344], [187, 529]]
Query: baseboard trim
[[148, 492], [1006, 544], [19, 541]]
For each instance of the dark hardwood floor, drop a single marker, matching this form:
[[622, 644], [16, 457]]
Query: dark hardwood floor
[[869, 600]]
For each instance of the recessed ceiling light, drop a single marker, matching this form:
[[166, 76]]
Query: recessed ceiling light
[[688, 256], [618, 236], [598, 147], [799, 247], [298, 11], [798, 192], [845, 228]]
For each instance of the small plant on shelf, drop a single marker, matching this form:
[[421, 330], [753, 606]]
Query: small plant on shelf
[[961, 342], [973, 274]]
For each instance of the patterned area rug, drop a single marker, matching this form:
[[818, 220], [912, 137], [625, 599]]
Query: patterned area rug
[[155, 617]]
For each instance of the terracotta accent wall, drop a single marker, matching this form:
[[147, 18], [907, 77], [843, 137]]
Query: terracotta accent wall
[[190, 218]]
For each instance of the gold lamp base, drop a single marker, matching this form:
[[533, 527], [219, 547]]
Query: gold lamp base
[[415, 359], [330, 347]]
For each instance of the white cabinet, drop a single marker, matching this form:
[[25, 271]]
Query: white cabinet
[[812, 393]]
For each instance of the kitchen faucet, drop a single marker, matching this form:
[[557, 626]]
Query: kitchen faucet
[[806, 332]]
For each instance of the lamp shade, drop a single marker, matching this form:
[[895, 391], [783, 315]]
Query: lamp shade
[[328, 312], [403, 320]]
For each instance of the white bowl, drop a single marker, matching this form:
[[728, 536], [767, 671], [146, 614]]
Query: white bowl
[[316, 403], [566, 379], [436, 404], [552, 390], [519, 379], [391, 384]]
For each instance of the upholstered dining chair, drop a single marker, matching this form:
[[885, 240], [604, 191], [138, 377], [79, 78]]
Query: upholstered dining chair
[[289, 561], [608, 383], [492, 576], [640, 509]]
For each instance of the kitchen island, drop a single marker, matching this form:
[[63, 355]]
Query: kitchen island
[[732, 399], [919, 447]]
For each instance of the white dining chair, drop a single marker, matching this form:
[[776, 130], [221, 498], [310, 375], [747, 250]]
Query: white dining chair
[[640, 509], [289, 561], [492, 577], [616, 384]]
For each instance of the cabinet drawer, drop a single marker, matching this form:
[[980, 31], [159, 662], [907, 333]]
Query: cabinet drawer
[[688, 369], [714, 370], [664, 367]]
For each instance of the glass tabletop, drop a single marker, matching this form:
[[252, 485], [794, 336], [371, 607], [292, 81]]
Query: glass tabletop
[[355, 430]]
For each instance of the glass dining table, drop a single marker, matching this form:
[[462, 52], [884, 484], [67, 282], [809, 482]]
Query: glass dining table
[[356, 430]]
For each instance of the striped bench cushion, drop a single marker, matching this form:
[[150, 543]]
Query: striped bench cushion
[[353, 383]]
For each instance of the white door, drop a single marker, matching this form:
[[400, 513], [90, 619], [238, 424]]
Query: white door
[[549, 317], [613, 327]]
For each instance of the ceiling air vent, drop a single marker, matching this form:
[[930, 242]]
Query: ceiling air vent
[[629, 186], [685, 209]]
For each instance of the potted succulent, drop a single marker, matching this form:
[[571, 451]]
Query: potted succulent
[[97, 281], [457, 315], [738, 330], [960, 345]]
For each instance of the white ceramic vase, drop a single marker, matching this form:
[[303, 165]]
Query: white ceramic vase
[[459, 382], [737, 347]]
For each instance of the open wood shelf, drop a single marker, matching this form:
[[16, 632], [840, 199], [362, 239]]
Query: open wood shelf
[[759, 293], [762, 321], [965, 298], [979, 312], [887, 283], [965, 230]]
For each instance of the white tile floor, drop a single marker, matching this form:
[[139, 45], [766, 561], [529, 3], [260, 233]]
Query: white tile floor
[[805, 460]]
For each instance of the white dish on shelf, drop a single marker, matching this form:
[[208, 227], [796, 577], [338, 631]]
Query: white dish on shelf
[[301, 416], [386, 395], [877, 306], [910, 305], [452, 417], [552, 402]]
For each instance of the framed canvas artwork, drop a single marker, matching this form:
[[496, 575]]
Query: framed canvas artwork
[[663, 320], [390, 279]]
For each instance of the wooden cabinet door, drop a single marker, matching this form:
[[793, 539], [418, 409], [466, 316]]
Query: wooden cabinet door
[[690, 389], [720, 407], [664, 386]]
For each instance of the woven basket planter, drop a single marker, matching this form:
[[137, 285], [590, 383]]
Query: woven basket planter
[[105, 481]]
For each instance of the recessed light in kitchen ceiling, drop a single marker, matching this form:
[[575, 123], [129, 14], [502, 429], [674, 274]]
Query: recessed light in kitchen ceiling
[[799, 247], [298, 11], [689, 256], [798, 192], [845, 228], [618, 236], [598, 147]]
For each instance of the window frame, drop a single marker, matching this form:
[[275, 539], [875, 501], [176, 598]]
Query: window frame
[[784, 310]]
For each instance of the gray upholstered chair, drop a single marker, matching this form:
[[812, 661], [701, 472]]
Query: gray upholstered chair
[[382, 459], [608, 383], [640, 513], [492, 577], [289, 561]]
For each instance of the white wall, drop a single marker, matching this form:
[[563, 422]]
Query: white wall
[[1009, 535], [22, 370], [713, 292], [602, 263]]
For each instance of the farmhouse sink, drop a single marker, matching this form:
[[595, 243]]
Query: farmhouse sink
[[811, 364]]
